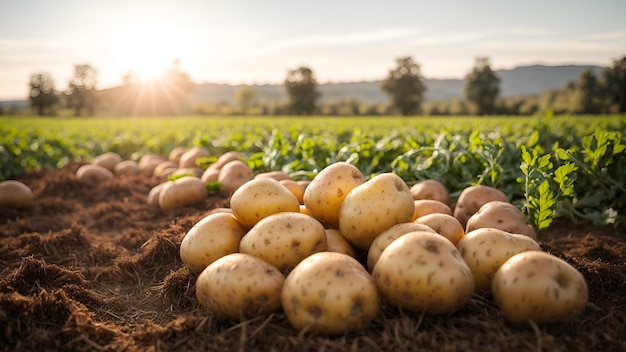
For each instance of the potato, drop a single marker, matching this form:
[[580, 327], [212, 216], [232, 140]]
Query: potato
[[193, 171], [538, 286], [107, 160], [126, 167], [501, 215], [153, 195], [149, 162], [326, 192], [210, 175], [429, 206], [444, 224], [486, 249], [15, 194], [259, 198], [226, 158], [233, 175], [165, 168], [431, 189], [211, 238], [386, 237], [335, 242], [188, 158], [176, 153], [186, 190], [330, 293], [277, 175], [373, 207], [93, 173], [472, 198], [284, 239], [295, 188], [423, 272], [240, 286]]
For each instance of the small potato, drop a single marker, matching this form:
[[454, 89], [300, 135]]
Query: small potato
[[165, 168], [175, 154], [472, 198], [210, 175], [226, 158], [284, 239], [127, 167], [240, 286], [277, 175], [107, 160], [15, 194], [386, 237], [501, 215], [193, 171], [233, 175], [326, 192], [330, 293], [423, 272], [539, 286], [188, 158], [335, 242], [184, 191], [149, 162], [444, 224], [259, 198], [153, 195], [373, 207], [211, 238], [295, 188], [431, 189], [484, 250], [429, 206], [93, 173]]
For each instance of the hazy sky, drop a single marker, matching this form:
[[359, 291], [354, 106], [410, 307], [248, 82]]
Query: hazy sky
[[258, 41]]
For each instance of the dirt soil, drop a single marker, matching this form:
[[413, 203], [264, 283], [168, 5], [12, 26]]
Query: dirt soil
[[92, 267]]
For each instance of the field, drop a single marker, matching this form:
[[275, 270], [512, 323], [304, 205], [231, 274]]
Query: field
[[92, 267]]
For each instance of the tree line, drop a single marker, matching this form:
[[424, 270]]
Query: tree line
[[170, 95]]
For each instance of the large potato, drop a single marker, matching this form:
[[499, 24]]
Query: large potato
[[386, 237], [538, 286], [444, 224], [472, 198], [184, 191], [15, 194], [486, 249], [501, 215], [373, 207], [261, 197], [240, 286], [431, 189], [326, 192], [423, 272], [284, 239], [211, 238], [330, 293], [233, 175]]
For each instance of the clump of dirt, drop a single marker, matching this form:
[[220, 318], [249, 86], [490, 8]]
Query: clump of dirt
[[92, 267]]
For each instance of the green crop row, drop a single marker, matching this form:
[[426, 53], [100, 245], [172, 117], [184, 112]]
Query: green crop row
[[568, 166]]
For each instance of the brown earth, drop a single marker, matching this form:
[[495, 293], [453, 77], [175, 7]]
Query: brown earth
[[92, 267]]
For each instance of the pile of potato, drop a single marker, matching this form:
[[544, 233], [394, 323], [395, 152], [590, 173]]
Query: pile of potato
[[302, 249]]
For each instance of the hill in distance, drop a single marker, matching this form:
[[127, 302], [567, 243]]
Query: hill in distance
[[519, 81]]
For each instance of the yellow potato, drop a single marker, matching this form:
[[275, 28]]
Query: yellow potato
[[335, 242], [326, 192], [188, 158], [386, 237], [284, 239], [226, 158], [233, 175], [373, 207], [538, 286], [15, 194], [330, 293], [93, 173], [107, 160], [184, 191], [210, 175], [295, 188], [486, 249], [472, 198], [423, 272], [429, 206], [211, 238], [259, 198], [501, 215], [444, 224], [431, 189], [240, 286]]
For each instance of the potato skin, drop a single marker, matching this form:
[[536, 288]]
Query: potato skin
[[240, 286], [501, 215], [539, 286], [15, 194], [326, 192], [424, 272], [472, 198], [330, 293], [214, 236], [284, 239], [486, 249], [373, 207]]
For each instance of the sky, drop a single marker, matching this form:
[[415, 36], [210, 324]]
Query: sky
[[259, 41]]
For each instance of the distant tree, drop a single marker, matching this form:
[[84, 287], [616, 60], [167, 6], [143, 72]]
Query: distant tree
[[42, 97], [301, 87], [482, 87], [246, 98], [589, 93], [404, 86], [614, 81], [81, 94]]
